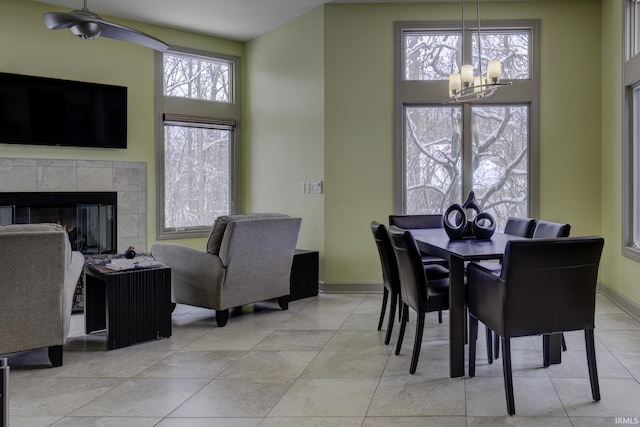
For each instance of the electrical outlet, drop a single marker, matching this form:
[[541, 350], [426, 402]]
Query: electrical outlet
[[315, 187]]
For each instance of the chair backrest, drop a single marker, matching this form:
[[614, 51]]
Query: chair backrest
[[413, 281], [257, 254], [550, 284], [38, 274], [390, 275], [548, 229], [214, 241], [523, 227], [415, 221]]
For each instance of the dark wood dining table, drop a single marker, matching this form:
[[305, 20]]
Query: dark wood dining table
[[434, 241]]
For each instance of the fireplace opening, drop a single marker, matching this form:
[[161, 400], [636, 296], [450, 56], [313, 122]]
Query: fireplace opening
[[89, 218]]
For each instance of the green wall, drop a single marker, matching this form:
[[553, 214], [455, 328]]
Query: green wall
[[285, 124], [617, 272], [28, 47]]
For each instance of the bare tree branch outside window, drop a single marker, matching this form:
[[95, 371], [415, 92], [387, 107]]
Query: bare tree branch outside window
[[197, 171], [197, 78], [433, 133]]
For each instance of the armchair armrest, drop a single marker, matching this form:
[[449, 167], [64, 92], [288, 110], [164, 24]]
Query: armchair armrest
[[486, 293], [193, 272]]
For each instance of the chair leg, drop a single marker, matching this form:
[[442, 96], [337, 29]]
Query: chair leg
[[417, 343], [466, 325], [496, 346], [564, 344], [221, 317], [385, 297], [591, 361], [403, 324], [55, 355], [508, 378], [473, 338], [392, 317], [439, 316], [489, 334], [546, 344], [283, 302]]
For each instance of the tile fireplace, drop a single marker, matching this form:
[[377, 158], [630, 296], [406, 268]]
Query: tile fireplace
[[126, 180]]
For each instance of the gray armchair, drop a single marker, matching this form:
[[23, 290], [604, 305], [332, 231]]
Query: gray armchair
[[38, 275], [248, 259]]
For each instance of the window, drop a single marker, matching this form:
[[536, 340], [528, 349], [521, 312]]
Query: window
[[207, 79], [197, 148], [491, 146], [631, 155]]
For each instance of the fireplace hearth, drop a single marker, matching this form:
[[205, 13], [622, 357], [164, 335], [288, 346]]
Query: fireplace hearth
[[88, 217]]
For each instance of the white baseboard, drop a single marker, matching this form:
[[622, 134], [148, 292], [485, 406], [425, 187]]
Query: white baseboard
[[620, 300]]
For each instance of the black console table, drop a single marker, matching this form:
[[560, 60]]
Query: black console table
[[132, 305], [304, 274]]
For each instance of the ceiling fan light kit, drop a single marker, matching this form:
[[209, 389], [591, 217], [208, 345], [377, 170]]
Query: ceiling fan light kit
[[88, 26], [87, 30]]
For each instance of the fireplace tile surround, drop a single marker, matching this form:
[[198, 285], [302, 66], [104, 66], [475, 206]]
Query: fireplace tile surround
[[127, 179]]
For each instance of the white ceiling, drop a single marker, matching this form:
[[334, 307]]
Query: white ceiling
[[231, 19]]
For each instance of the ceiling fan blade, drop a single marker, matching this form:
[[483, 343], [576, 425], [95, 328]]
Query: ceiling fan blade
[[127, 34], [60, 20]]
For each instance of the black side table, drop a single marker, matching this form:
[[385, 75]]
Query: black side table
[[132, 305], [304, 274]]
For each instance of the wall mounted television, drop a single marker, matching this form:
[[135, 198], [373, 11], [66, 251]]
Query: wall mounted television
[[45, 111]]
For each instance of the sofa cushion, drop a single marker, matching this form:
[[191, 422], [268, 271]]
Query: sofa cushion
[[20, 228], [219, 227]]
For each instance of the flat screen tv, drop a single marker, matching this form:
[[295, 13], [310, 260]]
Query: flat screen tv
[[44, 111]]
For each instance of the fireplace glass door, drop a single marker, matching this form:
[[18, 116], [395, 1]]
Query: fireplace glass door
[[96, 229], [88, 218]]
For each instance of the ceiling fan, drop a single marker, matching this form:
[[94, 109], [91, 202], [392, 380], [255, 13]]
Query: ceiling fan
[[87, 25]]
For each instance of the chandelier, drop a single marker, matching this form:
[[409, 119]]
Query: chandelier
[[464, 86]]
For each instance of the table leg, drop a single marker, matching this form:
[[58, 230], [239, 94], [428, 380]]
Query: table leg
[[552, 349], [456, 317], [94, 304]]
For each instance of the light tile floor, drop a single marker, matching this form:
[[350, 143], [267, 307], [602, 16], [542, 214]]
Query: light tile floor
[[321, 363]]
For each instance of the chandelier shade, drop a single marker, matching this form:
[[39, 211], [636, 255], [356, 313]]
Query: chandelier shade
[[464, 86]]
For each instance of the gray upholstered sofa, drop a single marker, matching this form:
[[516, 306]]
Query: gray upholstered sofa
[[38, 275], [248, 259]]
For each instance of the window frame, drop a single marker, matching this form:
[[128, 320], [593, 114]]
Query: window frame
[[630, 81], [217, 111], [432, 93]]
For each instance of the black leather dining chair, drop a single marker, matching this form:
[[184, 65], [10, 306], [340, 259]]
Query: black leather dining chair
[[418, 292], [520, 226], [546, 286], [417, 222], [390, 276], [439, 267], [549, 229]]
